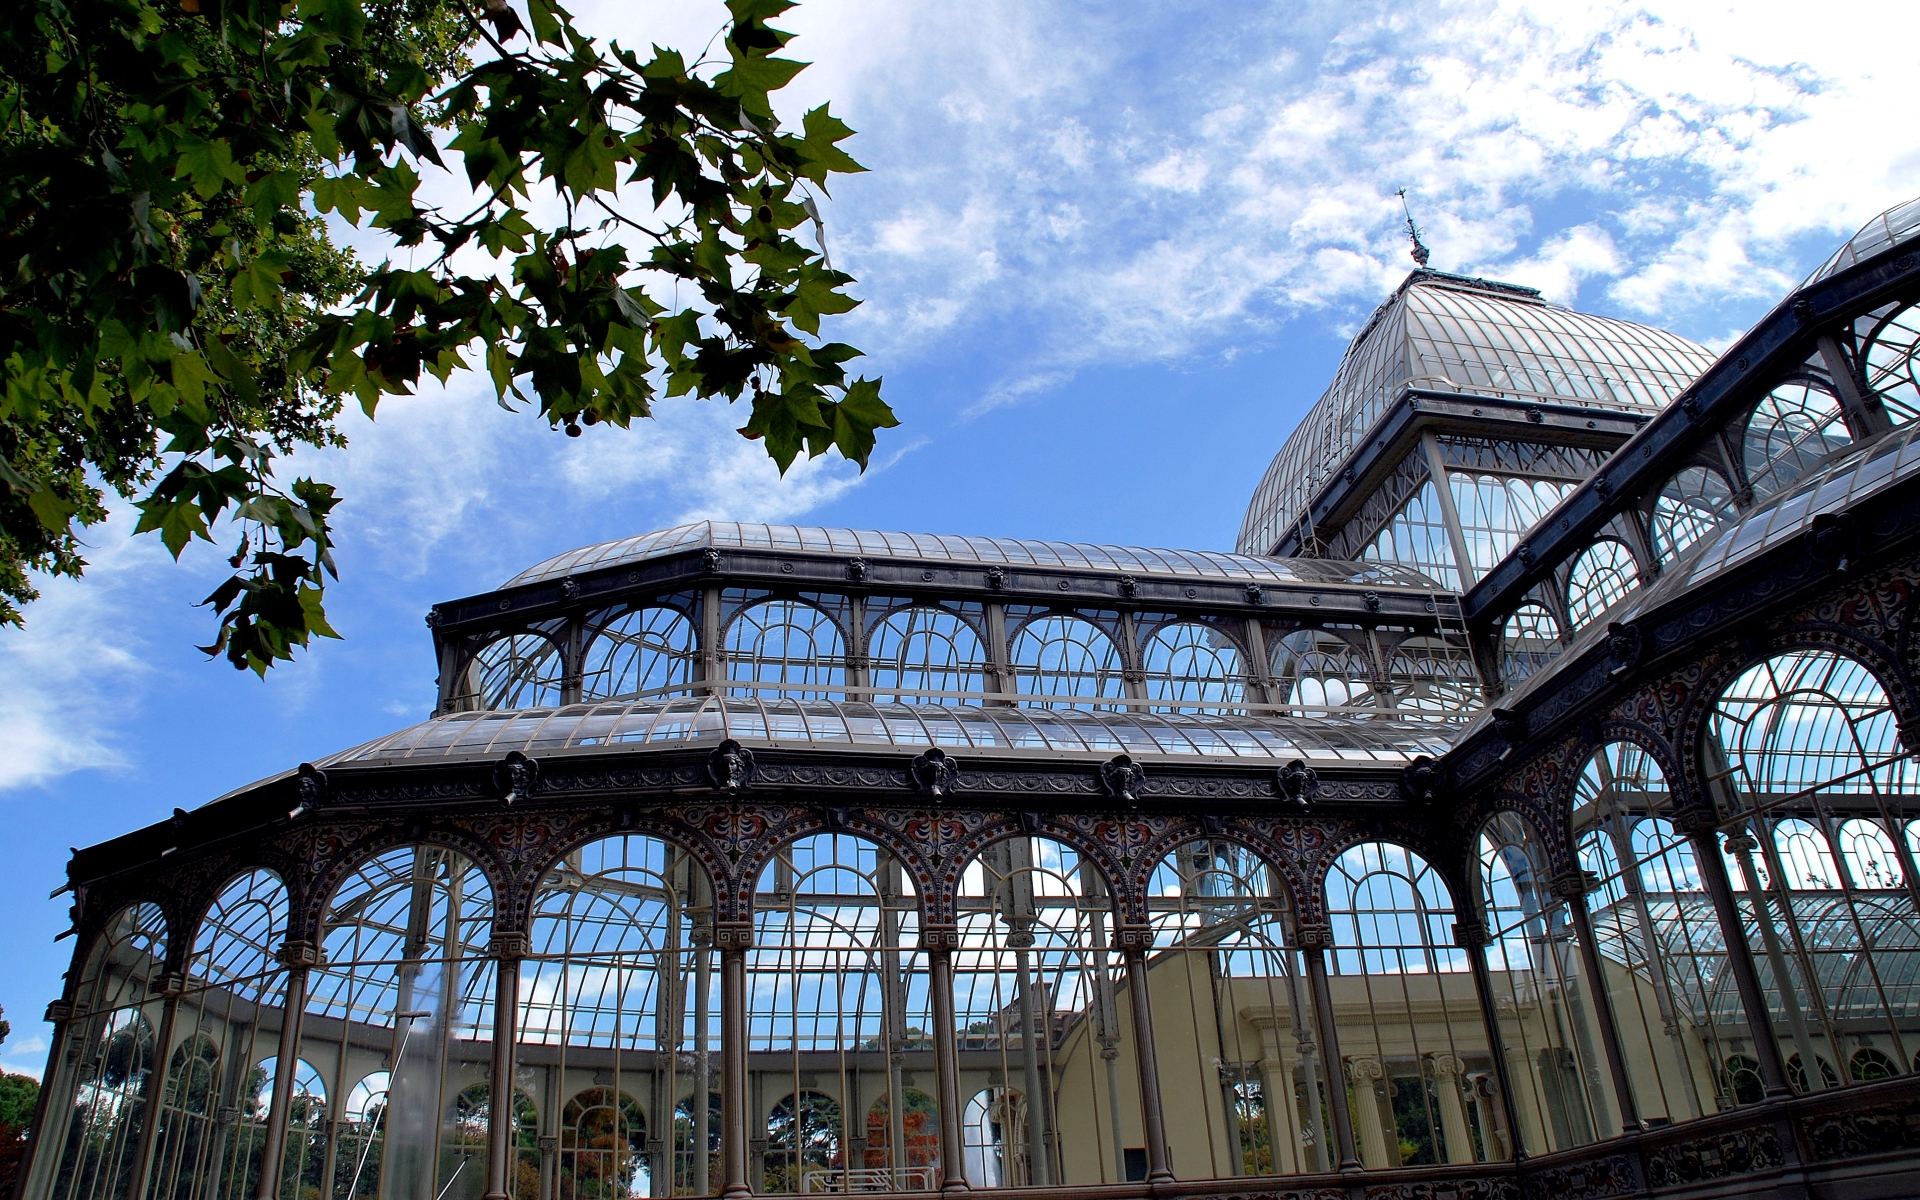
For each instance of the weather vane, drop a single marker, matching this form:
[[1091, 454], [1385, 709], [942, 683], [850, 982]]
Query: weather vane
[[1420, 252]]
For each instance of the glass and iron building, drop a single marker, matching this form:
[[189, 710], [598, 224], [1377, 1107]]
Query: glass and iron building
[[1527, 806]]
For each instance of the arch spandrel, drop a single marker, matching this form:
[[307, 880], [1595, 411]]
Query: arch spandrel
[[341, 851]]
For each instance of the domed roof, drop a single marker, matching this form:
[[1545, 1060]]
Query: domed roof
[[1449, 333], [1890, 228]]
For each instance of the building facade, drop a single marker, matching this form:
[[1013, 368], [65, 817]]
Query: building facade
[[1527, 807]]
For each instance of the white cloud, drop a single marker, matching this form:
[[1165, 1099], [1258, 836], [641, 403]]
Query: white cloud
[[68, 680]]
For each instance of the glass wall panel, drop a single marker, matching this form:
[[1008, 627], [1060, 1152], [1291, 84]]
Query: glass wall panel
[[522, 671], [1045, 1026], [1893, 364], [1233, 1031], [839, 1019], [1601, 577], [226, 1029], [403, 1001], [921, 651], [1433, 675], [1793, 427], [98, 1103], [1689, 506], [1418, 1071], [1682, 1028], [1192, 667], [1495, 511], [791, 647], [1529, 640], [645, 652], [1063, 661], [620, 1021], [1548, 1005], [1809, 755], [1319, 670], [1417, 537], [303, 1158]]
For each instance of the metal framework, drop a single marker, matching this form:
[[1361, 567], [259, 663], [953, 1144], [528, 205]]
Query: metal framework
[[757, 859]]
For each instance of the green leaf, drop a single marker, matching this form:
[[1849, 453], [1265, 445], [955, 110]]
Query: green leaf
[[546, 20], [315, 611], [274, 191], [233, 369], [823, 129], [209, 165], [817, 294]]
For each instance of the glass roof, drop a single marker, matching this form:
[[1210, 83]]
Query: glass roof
[[665, 724], [1895, 225], [1445, 333], [1851, 475], [734, 535]]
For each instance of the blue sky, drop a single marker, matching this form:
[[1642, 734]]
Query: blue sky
[[1109, 255]]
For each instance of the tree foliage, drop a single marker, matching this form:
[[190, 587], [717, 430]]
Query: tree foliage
[[174, 318]]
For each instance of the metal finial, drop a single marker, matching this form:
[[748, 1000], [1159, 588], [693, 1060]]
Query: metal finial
[[1420, 252]]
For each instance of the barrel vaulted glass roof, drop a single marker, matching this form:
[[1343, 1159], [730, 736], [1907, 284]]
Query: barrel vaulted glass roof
[[1896, 225], [1447, 333], [658, 724], [734, 535]]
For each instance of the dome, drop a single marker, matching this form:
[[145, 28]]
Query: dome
[[1448, 333], [1890, 228]]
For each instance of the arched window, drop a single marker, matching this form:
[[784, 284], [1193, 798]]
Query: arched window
[[837, 975], [1869, 1064], [464, 1156], [233, 975], [524, 670], [103, 1095], [805, 1137], [1221, 974], [1416, 537], [1191, 667], [1741, 1079], [919, 1134], [1792, 737], [1547, 1000], [1529, 640], [925, 649], [1433, 675], [1601, 577], [405, 976], [990, 1114], [1893, 364], [304, 1157], [791, 648], [363, 1120], [1690, 505], [1659, 940], [1497, 510], [1317, 670], [1793, 427], [1039, 994], [1868, 855], [646, 652], [603, 1146], [622, 978], [687, 1124], [1396, 966], [1062, 661]]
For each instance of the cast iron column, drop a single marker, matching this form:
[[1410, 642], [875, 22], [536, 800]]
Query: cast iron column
[[1314, 941], [1574, 889], [1698, 824], [171, 985], [1132, 942], [1472, 937], [733, 938], [299, 957], [508, 949], [939, 942]]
